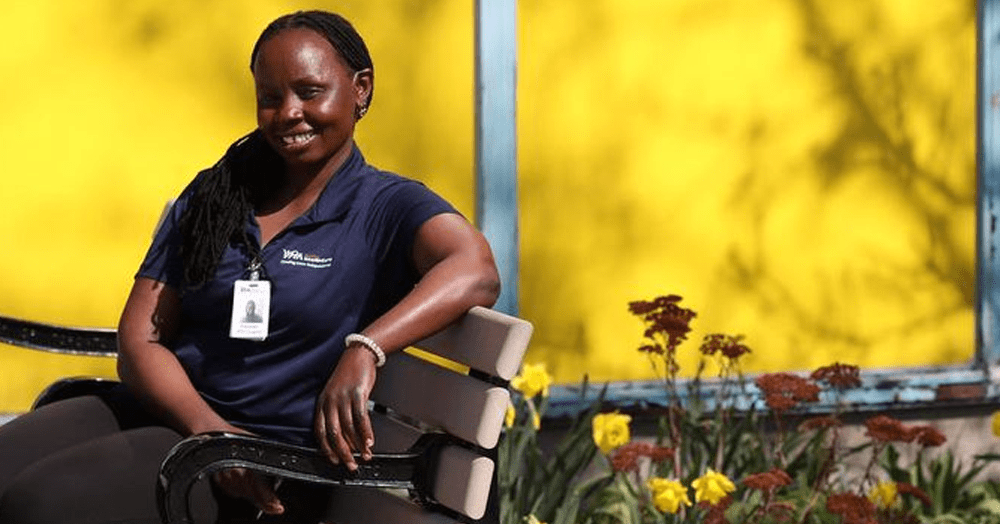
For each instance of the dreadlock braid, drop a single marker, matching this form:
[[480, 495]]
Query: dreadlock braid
[[225, 193], [223, 198]]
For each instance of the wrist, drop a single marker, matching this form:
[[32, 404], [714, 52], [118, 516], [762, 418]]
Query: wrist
[[211, 424], [359, 351], [370, 346]]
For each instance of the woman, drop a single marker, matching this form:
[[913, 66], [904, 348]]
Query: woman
[[343, 262]]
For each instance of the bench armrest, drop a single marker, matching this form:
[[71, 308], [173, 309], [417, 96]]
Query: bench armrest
[[203, 454]]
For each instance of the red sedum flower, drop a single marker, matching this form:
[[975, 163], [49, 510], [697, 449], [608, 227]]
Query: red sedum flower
[[838, 376], [730, 346], [783, 391], [887, 429], [665, 318], [928, 436], [626, 458], [853, 509], [767, 480]]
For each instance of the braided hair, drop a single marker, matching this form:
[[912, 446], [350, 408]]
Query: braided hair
[[225, 194], [335, 28]]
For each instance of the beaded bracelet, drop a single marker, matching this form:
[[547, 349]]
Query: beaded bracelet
[[368, 343]]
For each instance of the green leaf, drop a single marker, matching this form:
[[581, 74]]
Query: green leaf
[[991, 506]]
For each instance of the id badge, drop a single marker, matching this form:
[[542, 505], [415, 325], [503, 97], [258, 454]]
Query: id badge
[[251, 309]]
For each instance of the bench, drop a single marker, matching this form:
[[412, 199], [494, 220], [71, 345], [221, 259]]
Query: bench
[[437, 414]]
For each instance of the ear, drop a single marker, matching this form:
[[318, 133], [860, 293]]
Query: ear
[[364, 82]]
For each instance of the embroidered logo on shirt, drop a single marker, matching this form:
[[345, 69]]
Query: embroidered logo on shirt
[[297, 258]]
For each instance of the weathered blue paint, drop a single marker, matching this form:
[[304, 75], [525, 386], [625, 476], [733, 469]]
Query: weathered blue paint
[[496, 139], [988, 164], [919, 391]]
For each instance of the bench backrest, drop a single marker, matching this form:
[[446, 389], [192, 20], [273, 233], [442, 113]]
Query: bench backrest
[[466, 397]]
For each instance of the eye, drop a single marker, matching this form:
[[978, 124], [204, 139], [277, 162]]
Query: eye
[[267, 99], [308, 92]]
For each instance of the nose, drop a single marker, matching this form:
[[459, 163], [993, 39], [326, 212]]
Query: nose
[[291, 108]]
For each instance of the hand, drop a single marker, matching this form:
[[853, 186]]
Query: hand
[[342, 423], [247, 484]]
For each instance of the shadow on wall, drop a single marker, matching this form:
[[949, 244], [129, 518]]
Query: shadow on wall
[[802, 172]]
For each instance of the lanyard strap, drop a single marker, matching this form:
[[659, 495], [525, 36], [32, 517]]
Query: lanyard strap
[[255, 265]]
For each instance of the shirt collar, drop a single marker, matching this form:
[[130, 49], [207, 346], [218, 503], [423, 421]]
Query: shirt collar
[[336, 198]]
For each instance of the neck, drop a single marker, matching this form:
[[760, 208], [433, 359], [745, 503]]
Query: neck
[[301, 184]]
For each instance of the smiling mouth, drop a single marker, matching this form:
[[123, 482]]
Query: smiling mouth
[[300, 138]]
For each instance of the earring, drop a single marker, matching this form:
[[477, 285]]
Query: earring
[[360, 111]]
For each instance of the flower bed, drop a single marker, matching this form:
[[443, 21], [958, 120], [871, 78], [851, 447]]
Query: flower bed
[[722, 466]]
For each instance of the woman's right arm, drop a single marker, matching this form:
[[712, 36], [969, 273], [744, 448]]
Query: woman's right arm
[[154, 375], [150, 370]]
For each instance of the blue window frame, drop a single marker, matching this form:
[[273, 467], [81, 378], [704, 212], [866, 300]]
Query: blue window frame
[[496, 139], [916, 390]]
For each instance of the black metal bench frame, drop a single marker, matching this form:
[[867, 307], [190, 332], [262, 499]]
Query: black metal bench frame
[[199, 455]]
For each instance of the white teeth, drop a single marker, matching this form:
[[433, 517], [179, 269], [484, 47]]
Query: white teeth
[[297, 139]]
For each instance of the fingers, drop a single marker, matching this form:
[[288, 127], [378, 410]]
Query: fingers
[[342, 424], [331, 439], [342, 449], [346, 413], [324, 444], [264, 497], [248, 485], [363, 427]]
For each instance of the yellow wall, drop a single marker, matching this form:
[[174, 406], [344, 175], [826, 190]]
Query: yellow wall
[[800, 171]]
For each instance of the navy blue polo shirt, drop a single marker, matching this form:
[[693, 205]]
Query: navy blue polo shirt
[[332, 271]]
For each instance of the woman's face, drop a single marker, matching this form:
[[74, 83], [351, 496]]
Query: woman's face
[[306, 98]]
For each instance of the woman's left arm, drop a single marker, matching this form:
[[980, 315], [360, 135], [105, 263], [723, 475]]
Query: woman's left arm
[[457, 272]]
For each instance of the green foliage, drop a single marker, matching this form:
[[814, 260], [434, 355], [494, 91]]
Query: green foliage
[[532, 484], [736, 466]]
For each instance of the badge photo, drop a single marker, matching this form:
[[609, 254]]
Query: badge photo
[[251, 309]]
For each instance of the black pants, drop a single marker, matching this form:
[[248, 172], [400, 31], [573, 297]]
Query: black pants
[[94, 460]]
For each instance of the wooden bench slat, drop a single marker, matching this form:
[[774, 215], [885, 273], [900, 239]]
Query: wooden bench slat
[[459, 404], [484, 339], [392, 436], [463, 481]]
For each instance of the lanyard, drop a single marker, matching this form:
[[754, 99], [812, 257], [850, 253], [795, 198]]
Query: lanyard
[[256, 264], [255, 267]]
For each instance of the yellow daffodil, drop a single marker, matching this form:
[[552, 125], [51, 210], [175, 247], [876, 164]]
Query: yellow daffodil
[[611, 431], [536, 419], [532, 380], [883, 494], [508, 418], [668, 495], [996, 424], [712, 487], [531, 519]]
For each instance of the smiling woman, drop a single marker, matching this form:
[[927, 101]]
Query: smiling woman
[[118, 104], [395, 263]]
